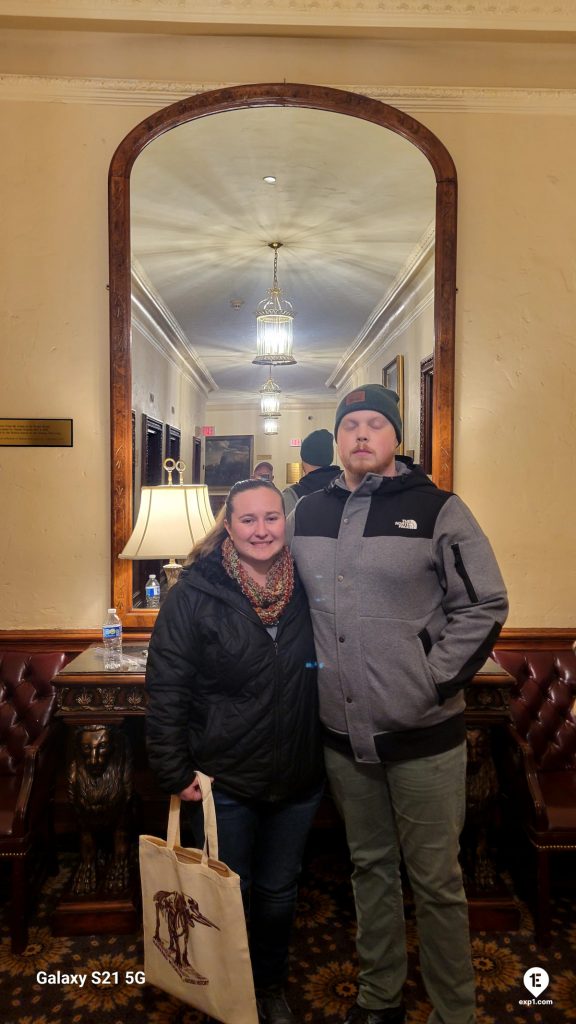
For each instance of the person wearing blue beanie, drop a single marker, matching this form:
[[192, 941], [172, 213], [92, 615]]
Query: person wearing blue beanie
[[317, 454]]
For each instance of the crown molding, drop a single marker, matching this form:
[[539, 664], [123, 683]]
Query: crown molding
[[411, 292], [397, 325], [164, 333], [484, 15], [410, 99]]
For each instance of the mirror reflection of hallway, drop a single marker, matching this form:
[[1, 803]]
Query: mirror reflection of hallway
[[368, 219]]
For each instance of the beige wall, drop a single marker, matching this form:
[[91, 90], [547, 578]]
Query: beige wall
[[406, 60], [53, 269], [516, 360], [516, 350]]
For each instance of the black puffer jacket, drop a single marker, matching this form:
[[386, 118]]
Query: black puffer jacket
[[226, 699]]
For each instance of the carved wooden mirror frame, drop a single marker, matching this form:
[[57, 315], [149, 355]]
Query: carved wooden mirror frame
[[215, 102]]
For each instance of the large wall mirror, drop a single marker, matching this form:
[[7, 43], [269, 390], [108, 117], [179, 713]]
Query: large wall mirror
[[364, 204]]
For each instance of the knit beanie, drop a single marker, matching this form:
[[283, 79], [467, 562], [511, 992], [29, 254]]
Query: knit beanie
[[371, 396], [318, 448]]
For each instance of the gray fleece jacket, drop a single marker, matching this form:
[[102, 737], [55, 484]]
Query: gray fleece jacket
[[407, 602]]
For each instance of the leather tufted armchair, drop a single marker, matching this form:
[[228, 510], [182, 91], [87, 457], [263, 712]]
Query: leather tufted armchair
[[541, 776], [28, 753]]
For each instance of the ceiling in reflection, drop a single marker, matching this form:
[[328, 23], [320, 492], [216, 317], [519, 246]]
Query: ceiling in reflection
[[351, 204]]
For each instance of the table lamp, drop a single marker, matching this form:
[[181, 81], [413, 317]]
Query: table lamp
[[172, 518]]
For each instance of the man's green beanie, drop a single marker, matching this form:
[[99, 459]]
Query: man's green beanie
[[371, 396]]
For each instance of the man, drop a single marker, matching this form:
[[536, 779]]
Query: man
[[316, 454], [263, 471], [407, 601]]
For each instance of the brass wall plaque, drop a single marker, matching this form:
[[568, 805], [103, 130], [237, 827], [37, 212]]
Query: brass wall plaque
[[46, 433], [293, 472]]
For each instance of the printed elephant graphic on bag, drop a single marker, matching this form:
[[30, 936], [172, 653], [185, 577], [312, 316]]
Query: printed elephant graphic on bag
[[180, 913]]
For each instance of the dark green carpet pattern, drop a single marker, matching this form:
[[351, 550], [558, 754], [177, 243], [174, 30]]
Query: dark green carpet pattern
[[323, 967]]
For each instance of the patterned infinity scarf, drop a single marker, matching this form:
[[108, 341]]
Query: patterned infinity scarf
[[269, 601]]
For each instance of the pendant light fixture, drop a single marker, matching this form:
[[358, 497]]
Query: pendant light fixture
[[274, 320], [270, 398]]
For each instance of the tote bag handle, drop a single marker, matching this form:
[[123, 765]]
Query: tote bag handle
[[210, 828]]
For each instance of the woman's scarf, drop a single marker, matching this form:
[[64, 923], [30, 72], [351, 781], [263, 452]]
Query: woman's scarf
[[270, 600]]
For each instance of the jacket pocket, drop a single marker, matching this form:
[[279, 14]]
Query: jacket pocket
[[401, 688], [426, 640]]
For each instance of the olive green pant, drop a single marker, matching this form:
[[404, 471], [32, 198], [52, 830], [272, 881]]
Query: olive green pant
[[414, 808]]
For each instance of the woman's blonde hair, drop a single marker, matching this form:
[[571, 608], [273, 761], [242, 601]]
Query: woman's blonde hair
[[218, 533]]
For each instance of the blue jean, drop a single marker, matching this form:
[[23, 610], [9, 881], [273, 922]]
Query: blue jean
[[263, 842], [414, 808]]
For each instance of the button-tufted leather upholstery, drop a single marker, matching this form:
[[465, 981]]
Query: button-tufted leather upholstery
[[28, 747], [543, 734], [543, 705], [27, 699]]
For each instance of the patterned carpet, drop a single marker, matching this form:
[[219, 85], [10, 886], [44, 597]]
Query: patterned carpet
[[323, 968]]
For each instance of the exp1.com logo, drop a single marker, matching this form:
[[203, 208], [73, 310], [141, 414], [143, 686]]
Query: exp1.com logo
[[536, 980]]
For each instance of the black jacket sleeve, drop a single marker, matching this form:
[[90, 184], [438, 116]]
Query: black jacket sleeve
[[170, 678]]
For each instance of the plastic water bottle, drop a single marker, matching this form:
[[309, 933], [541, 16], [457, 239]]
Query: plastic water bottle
[[112, 640], [152, 592]]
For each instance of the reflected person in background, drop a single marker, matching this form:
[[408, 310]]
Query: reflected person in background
[[316, 455], [232, 692], [263, 471], [407, 602]]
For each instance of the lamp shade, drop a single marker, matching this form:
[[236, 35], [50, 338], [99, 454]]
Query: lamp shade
[[171, 520]]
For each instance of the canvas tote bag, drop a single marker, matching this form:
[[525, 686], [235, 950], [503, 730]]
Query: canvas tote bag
[[195, 941]]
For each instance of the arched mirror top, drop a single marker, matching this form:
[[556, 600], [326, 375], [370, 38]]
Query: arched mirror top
[[226, 100]]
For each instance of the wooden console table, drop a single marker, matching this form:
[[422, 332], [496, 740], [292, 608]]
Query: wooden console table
[[491, 905], [97, 700], [94, 703], [86, 689]]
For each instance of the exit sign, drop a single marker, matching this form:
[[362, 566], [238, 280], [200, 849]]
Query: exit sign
[[295, 442]]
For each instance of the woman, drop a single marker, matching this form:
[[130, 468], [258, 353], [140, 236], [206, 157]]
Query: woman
[[231, 683]]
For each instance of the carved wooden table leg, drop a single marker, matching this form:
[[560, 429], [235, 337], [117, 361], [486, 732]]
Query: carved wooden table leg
[[97, 706], [491, 905], [100, 897]]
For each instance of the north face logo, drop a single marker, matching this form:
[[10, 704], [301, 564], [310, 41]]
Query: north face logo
[[406, 524]]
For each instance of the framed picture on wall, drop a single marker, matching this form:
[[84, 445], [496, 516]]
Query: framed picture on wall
[[228, 458], [172, 441], [216, 503], [426, 412], [393, 377], [151, 471]]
